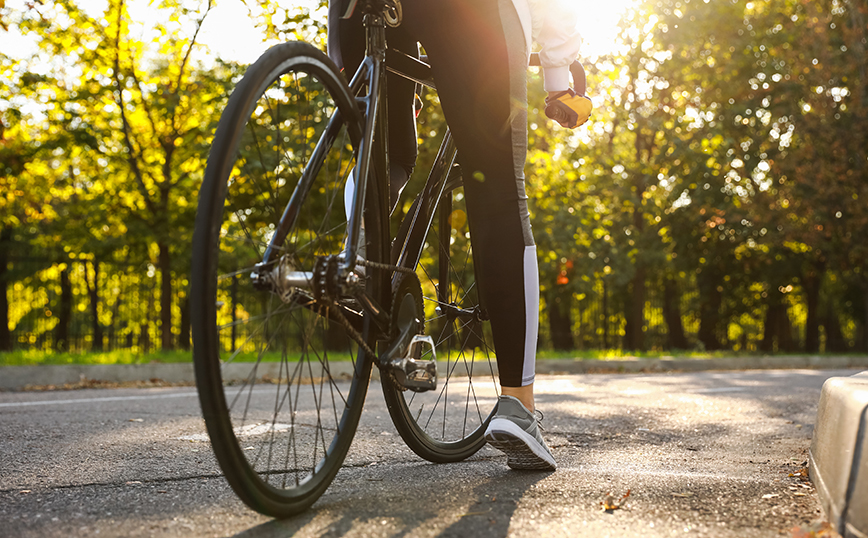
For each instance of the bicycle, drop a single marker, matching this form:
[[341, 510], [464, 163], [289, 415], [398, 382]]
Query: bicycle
[[283, 356]]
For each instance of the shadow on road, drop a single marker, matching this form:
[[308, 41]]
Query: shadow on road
[[485, 509]]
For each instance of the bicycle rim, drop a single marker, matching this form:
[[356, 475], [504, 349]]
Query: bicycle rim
[[281, 386], [448, 424]]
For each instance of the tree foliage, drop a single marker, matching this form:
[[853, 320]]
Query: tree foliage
[[715, 200]]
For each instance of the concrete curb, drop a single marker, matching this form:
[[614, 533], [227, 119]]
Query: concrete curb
[[20, 377], [838, 457]]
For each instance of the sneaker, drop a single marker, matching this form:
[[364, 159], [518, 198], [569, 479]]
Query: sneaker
[[516, 431]]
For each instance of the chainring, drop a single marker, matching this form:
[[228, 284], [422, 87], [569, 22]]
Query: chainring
[[407, 307]]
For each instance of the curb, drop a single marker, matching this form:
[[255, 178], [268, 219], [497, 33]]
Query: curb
[[13, 378], [838, 459]]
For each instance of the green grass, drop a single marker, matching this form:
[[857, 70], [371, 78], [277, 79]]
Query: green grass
[[616, 354], [34, 357]]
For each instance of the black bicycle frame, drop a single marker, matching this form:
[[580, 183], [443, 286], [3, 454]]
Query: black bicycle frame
[[373, 158]]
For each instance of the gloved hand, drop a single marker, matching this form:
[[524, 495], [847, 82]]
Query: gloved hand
[[568, 108]]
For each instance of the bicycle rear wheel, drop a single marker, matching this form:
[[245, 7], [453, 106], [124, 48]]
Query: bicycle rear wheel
[[281, 385], [447, 424]]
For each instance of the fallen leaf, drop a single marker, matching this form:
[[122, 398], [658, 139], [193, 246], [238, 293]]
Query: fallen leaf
[[137, 420], [801, 473], [609, 503], [817, 529]]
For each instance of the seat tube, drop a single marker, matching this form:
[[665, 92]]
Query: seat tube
[[373, 154]]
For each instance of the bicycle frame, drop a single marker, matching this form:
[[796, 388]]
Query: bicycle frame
[[371, 169]]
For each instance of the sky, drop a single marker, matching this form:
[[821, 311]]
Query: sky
[[598, 26], [230, 33]]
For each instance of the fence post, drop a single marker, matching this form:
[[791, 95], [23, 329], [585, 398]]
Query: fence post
[[5, 333], [61, 338], [234, 302]]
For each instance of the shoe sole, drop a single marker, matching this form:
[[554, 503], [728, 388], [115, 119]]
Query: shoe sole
[[523, 451]]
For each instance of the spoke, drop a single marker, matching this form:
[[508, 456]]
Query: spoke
[[323, 363], [443, 394], [453, 270]]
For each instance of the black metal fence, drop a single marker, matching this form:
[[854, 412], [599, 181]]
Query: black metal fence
[[81, 306]]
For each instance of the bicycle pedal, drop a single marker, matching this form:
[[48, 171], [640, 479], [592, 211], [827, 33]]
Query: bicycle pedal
[[416, 374]]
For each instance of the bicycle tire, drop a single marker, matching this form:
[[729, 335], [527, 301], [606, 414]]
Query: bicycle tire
[[435, 428], [279, 416]]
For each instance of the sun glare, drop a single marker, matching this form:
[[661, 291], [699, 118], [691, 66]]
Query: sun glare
[[598, 24], [229, 31]]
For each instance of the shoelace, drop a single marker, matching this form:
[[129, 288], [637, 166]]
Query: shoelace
[[539, 418]]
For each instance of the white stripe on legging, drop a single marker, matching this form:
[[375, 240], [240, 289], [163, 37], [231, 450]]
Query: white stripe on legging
[[531, 309]]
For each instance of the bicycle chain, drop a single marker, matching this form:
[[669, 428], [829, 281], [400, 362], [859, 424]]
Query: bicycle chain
[[351, 331], [386, 267]]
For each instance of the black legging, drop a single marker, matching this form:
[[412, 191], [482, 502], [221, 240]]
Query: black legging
[[478, 60]]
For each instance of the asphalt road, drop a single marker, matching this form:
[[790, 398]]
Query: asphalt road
[[704, 454]]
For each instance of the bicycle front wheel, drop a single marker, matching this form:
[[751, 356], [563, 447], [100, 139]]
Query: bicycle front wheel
[[281, 382], [447, 424]]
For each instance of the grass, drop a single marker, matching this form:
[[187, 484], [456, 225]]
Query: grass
[[36, 357], [616, 354]]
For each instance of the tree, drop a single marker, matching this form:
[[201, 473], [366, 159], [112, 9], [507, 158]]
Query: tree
[[142, 126]]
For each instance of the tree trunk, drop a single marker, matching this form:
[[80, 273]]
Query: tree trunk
[[184, 337], [786, 342], [634, 311], [834, 337], [865, 321], [777, 330], [93, 294], [5, 333], [61, 335], [113, 324], [166, 340], [770, 326], [672, 315], [710, 299], [560, 321], [144, 328], [812, 281], [605, 315]]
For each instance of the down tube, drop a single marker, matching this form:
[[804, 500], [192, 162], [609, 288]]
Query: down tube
[[311, 171]]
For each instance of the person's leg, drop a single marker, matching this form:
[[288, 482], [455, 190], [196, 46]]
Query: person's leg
[[478, 57], [523, 394]]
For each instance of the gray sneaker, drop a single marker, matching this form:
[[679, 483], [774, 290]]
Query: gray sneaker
[[515, 431]]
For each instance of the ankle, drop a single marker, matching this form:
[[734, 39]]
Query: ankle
[[522, 394]]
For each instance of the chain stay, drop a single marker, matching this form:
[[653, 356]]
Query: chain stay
[[326, 268]]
